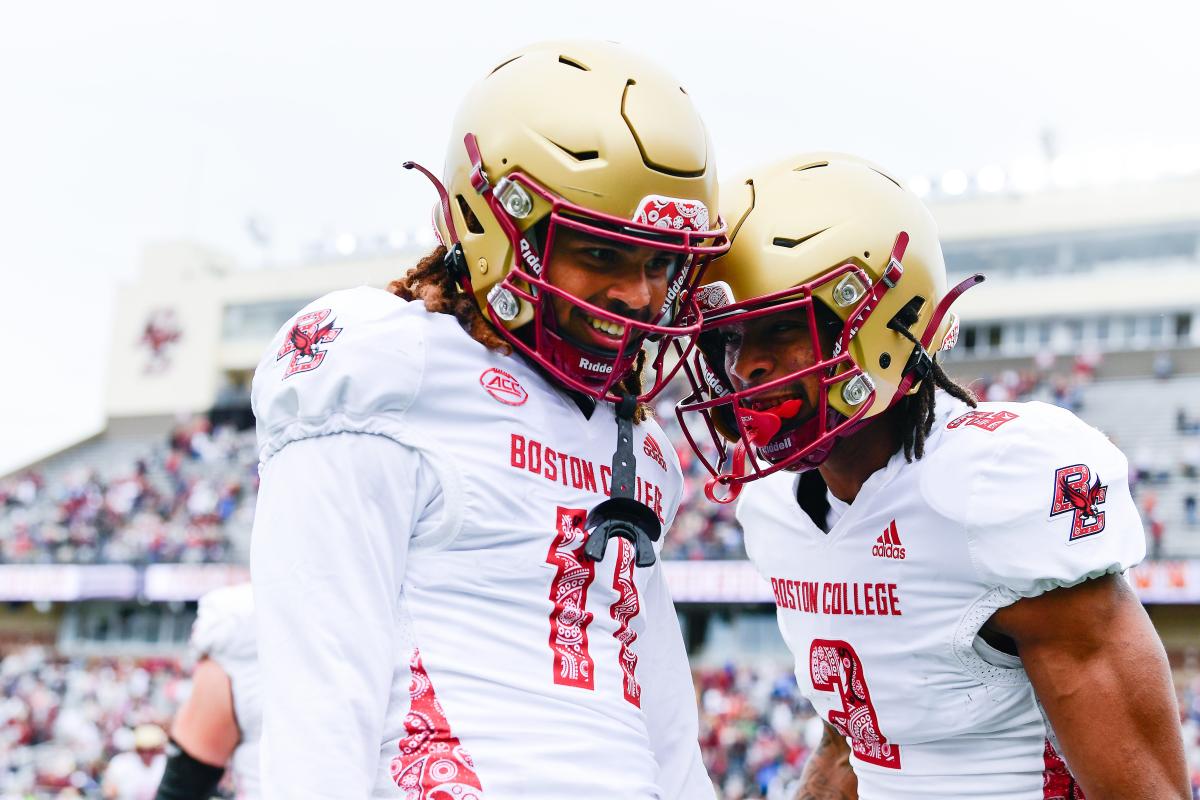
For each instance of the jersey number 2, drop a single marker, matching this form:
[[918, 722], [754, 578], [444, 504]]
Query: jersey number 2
[[569, 619], [835, 667]]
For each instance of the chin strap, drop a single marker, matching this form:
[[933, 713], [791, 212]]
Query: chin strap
[[737, 471], [621, 515], [455, 260]]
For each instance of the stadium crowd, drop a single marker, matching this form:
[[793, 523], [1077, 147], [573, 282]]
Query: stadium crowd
[[62, 721], [191, 498], [178, 502]]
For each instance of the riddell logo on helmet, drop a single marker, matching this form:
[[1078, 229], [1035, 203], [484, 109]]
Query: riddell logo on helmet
[[777, 447], [596, 366], [713, 381], [528, 256], [888, 545], [673, 292]]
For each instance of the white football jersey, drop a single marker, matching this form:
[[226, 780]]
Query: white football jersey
[[418, 572], [224, 632], [882, 613]]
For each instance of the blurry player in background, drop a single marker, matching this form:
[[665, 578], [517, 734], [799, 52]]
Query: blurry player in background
[[134, 775], [438, 612], [221, 721], [947, 573]]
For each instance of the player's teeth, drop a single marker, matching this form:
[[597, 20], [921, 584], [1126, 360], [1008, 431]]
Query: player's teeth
[[611, 328]]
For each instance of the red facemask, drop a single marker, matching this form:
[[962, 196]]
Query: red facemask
[[677, 227], [766, 440]]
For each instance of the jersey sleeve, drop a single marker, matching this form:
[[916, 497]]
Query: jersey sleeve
[[1045, 501], [224, 626], [349, 362], [329, 549], [669, 699]]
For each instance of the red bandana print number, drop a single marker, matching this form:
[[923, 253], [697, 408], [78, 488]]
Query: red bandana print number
[[569, 618], [835, 667]]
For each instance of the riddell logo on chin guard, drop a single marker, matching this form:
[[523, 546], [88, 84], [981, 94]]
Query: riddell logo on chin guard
[[888, 545], [596, 366]]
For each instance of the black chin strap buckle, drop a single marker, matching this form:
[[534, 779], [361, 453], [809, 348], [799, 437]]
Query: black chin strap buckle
[[620, 515], [919, 364], [626, 518], [455, 262]]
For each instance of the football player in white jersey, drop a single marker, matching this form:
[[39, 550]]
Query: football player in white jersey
[[947, 573], [453, 555], [221, 721]]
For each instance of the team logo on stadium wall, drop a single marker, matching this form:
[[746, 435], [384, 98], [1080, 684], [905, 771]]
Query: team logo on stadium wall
[[303, 339], [1077, 493], [160, 332], [503, 387]]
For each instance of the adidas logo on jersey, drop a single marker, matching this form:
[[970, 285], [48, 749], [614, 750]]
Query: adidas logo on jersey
[[888, 545]]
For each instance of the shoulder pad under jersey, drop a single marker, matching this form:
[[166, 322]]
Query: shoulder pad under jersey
[[224, 626], [351, 361], [1042, 497]]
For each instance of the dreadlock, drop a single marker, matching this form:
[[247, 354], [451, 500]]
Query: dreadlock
[[430, 282], [915, 413]]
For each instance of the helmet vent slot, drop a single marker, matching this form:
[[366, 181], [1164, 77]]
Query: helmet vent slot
[[889, 177], [473, 224], [664, 169], [578, 155], [783, 241], [813, 165], [733, 231], [502, 65], [570, 62]]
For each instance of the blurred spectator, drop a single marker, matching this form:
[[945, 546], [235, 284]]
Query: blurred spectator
[[1189, 510], [135, 775], [1164, 366], [1189, 459], [1186, 424]]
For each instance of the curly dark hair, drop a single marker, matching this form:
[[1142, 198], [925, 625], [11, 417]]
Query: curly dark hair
[[431, 282]]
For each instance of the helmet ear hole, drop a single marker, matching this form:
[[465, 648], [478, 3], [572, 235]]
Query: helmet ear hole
[[907, 316], [472, 221]]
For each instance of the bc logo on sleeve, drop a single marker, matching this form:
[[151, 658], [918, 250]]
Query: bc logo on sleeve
[[1072, 493], [303, 339]]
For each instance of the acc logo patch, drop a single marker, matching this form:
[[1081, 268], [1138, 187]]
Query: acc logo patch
[[503, 387], [1072, 493], [302, 340]]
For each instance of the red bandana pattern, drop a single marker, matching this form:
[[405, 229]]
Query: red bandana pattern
[[624, 610], [673, 213], [569, 619], [433, 764]]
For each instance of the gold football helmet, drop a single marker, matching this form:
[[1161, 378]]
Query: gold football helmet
[[839, 244], [592, 137]]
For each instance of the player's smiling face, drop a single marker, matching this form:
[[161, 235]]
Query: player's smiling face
[[769, 348], [626, 280]]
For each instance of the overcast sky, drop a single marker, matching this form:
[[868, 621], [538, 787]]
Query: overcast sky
[[123, 123]]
